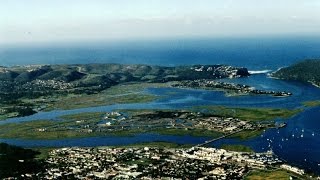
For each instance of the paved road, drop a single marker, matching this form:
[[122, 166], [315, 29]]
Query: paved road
[[216, 139]]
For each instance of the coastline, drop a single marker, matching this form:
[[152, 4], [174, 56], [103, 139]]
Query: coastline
[[314, 84]]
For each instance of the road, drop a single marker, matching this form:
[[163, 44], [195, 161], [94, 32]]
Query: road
[[216, 139]]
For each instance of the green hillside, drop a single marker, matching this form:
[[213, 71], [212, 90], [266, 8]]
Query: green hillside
[[306, 71]]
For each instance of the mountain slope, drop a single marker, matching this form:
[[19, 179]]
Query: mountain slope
[[305, 71]]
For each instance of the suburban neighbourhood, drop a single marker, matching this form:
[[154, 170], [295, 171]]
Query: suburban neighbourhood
[[155, 163]]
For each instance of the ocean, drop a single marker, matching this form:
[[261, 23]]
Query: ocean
[[254, 53]]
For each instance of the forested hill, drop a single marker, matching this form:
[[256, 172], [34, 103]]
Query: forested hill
[[117, 72], [306, 71], [41, 80], [15, 161]]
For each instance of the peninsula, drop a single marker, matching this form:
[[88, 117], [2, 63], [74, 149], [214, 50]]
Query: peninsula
[[239, 89], [305, 71]]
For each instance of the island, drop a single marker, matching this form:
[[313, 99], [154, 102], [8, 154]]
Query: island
[[214, 122], [239, 89]]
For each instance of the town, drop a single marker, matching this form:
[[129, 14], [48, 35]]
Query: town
[[156, 163], [235, 88], [220, 71]]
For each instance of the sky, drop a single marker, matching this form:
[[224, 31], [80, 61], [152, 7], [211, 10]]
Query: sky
[[29, 21]]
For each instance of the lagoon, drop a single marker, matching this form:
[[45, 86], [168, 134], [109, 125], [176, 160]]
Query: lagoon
[[301, 135]]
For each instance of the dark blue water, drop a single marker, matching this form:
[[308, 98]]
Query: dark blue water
[[254, 53], [298, 143], [188, 97]]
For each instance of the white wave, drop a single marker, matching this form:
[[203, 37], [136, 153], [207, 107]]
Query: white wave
[[260, 71]]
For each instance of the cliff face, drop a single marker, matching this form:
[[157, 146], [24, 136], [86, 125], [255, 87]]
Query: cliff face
[[243, 72], [305, 71]]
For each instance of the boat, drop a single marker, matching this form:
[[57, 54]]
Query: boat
[[281, 125]]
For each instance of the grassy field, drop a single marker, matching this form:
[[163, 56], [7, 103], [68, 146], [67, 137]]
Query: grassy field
[[8, 115], [244, 135], [20, 130], [238, 148], [249, 114], [120, 94], [59, 129], [268, 175], [88, 116], [55, 129], [30, 130], [43, 152]]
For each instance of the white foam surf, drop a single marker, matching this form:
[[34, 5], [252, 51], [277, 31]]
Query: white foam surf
[[260, 71]]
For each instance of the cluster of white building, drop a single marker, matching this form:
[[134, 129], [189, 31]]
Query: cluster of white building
[[221, 156], [292, 169], [54, 84], [224, 124], [227, 71], [148, 163]]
